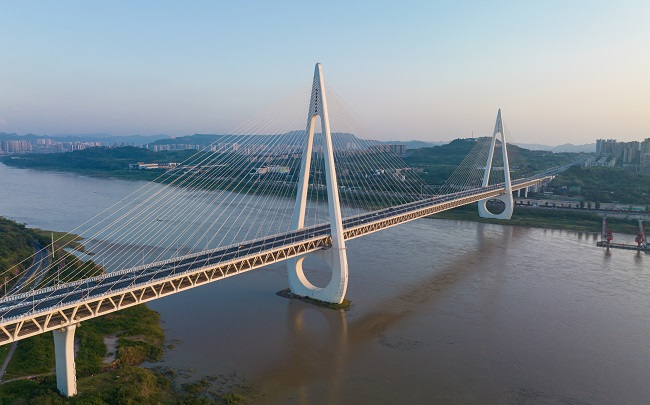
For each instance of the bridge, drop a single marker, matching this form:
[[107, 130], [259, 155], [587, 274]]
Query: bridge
[[61, 306]]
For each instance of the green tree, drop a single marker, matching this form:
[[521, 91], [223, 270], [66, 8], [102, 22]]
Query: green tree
[[597, 205]]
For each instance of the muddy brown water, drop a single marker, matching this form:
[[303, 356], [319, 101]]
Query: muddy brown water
[[443, 312]]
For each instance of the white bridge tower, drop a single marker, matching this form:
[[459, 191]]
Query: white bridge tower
[[335, 257], [507, 197]]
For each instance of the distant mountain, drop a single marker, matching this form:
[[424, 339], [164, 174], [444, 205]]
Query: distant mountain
[[567, 147], [196, 139], [15, 137], [96, 135], [106, 138], [292, 139], [440, 162], [416, 144], [340, 140], [534, 146]]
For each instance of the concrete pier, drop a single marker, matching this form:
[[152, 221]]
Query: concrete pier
[[66, 376]]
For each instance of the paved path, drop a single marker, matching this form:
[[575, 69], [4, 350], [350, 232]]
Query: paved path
[[39, 266], [27, 377], [8, 359]]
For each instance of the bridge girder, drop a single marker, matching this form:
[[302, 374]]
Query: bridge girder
[[55, 318]]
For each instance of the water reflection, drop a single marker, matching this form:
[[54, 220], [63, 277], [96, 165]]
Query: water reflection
[[638, 258], [321, 341], [316, 351]]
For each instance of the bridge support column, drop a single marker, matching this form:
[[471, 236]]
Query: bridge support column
[[483, 212], [66, 376], [526, 192], [335, 257], [507, 197], [335, 290]]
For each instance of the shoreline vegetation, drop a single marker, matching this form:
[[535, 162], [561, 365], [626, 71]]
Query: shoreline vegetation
[[99, 162], [18, 244], [547, 218], [437, 164], [598, 184], [110, 351]]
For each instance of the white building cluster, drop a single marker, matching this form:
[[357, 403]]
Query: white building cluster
[[632, 154]]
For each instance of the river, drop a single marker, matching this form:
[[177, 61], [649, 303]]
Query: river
[[443, 312]]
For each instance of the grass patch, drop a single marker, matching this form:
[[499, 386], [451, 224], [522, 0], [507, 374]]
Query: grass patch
[[138, 330], [132, 352], [140, 338], [222, 389], [233, 398], [39, 391], [32, 356], [129, 385], [61, 239], [91, 351]]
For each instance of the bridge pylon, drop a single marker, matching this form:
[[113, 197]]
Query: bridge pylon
[[335, 257], [507, 197]]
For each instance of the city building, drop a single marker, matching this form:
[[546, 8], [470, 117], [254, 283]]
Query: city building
[[389, 148], [15, 146], [627, 154]]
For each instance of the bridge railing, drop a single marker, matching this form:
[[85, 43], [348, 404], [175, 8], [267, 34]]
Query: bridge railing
[[136, 269], [133, 286]]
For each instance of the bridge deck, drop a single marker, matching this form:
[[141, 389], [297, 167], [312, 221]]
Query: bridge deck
[[28, 314]]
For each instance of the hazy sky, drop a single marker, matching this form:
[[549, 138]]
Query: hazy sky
[[562, 71]]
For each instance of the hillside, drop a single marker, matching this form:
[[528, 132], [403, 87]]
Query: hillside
[[605, 185], [439, 162], [567, 147], [16, 243], [415, 144], [291, 139], [112, 162]]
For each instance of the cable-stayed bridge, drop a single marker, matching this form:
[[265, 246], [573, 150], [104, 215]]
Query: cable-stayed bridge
[[373, 187]]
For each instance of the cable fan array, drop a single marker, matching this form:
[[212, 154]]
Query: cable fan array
[[239, 188]]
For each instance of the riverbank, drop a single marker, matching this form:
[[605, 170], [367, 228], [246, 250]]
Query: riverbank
[[123, 380], [100, 162], [115, 163], [116, 355], [545, 218]]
